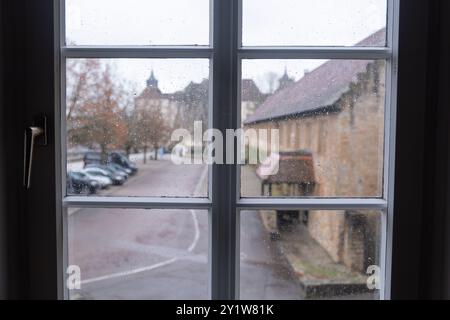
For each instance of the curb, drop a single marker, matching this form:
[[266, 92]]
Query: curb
[[312, 289]]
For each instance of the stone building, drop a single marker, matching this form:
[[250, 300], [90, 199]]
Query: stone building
[[182, 108], [335, 114], [152, 97], [251, 98], [286, 81]]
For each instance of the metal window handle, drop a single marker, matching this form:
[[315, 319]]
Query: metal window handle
[[35, 135]]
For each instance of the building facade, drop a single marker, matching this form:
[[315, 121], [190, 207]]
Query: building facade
[[251, 98], [181, 109]]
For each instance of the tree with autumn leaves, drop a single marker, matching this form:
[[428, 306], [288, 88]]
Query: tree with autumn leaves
[[95, 104], [152, 129], [101, 115]]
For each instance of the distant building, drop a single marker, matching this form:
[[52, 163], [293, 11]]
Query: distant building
[[334, 114], [285, 81], [152, 96], [251, 98], [152, 82], [193, 104], [182, 108]]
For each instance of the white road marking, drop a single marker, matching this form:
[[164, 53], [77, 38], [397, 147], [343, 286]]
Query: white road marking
[[199, 185], [130, 272], [194, 214], [164, 263], [197, 231]]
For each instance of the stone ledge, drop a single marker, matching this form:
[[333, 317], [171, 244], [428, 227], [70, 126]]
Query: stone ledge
[[317, 274]]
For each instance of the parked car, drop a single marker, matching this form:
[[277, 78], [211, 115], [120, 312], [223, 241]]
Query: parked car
[[96, 158], [79, 183], [121, 160], [120, 168], [104, 182], [110, 169], [116, 178], [117, 169], [92, 158]]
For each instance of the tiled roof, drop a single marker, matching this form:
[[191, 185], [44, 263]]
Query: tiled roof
[[318, 89], [199, 91], [151, 93], [293, 167]]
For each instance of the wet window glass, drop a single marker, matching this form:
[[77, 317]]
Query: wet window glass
[[307, 254], [313, 128], [137, 22], [117, 254], [121, 118], [313, 23]]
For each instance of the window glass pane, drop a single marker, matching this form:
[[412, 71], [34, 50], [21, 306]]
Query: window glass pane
[[296, 255], [313, 23], [137, 22], [313, 128], [122, 115], [138, 254]]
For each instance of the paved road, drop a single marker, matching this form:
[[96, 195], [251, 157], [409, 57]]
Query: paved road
[[138, 254], [264, 275]]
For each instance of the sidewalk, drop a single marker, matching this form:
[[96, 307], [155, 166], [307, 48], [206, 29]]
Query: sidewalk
[[317, 274]]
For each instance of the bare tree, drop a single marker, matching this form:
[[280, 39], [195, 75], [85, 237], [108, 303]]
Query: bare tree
[[82, 77], [271, 79], [194, 101]]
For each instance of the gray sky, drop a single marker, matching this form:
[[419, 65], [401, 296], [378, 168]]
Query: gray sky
[[186, 22]]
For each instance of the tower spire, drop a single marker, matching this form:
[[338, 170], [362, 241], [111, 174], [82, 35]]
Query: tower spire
[[152, 82], [285, 80]]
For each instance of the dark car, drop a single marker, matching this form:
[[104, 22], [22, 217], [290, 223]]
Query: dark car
[[123, 161], [92, 158], [119, 168], [78, 183], [116, 158]]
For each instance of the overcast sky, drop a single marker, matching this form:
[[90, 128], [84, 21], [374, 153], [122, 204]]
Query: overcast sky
[[186, 22]]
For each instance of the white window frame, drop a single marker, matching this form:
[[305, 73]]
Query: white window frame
[[224, 203]]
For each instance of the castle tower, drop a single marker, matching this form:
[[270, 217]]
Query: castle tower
[[285, 81], [152, 82]]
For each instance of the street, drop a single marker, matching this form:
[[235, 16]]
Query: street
[[162, 254]]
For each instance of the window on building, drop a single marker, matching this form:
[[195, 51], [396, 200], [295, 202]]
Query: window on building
[[144, 86]]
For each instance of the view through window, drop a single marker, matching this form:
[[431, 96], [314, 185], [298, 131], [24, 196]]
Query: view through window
[[315, 111]]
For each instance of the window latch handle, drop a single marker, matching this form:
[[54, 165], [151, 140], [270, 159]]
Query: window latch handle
[[34, 136]]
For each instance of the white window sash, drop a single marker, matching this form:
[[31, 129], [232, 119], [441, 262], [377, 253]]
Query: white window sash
[[224, 203]]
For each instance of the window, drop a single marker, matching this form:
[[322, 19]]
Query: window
[[147, 91], [95, 22]]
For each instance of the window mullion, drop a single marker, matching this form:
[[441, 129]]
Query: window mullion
[[137, 203], [130, 52], [390, 147], [312, 204], [223, 220], [363, 53]]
